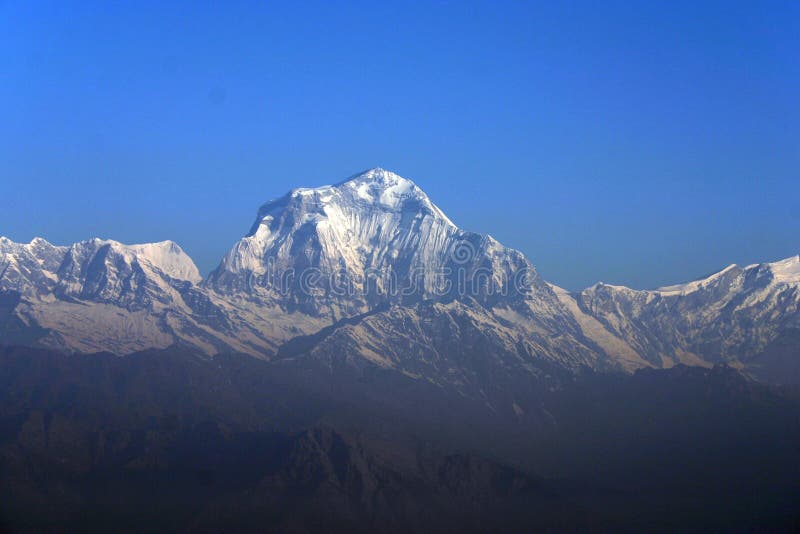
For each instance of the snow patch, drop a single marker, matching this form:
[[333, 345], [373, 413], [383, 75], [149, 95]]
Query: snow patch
[[690, 287], [786, 271]]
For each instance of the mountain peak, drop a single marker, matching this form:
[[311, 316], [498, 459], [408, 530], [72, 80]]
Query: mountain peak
[[373, 190], [385, 188], [786, 271], [33, 242], [167, 256], [378, 176], [375, 185]]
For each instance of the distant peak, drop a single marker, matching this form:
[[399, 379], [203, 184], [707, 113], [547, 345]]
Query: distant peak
[[382, 187], [694, 285], [786, 271], [35, 242], [167, 256], [376, 178], [375, 190], [379, 178]]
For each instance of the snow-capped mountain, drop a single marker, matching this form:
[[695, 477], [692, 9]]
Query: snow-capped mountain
[[29, 268], [319, 256], [107, 269], [100, 295], [370, 272], [742, 316], [374, 239]]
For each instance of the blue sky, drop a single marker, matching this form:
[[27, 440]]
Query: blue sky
[[634, 143]]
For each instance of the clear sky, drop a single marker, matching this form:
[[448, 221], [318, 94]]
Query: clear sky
[[633, 143]]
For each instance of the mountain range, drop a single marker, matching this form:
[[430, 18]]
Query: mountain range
[[371, 271]]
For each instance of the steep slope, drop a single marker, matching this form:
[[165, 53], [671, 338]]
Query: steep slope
[[30, 268], [341, 250]]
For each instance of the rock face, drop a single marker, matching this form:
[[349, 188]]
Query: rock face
[[370, 273], [29, 268]]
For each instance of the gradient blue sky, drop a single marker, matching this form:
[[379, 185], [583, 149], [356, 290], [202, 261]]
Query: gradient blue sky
[[634, 143]]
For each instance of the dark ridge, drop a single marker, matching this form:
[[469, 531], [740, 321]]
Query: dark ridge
[[302, 344], [166, 440]]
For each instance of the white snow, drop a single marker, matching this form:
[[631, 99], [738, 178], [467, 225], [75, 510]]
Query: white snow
[[690, 287], [166, 256], [383, 187], [361, 223], [786, 271], [362, 190]]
